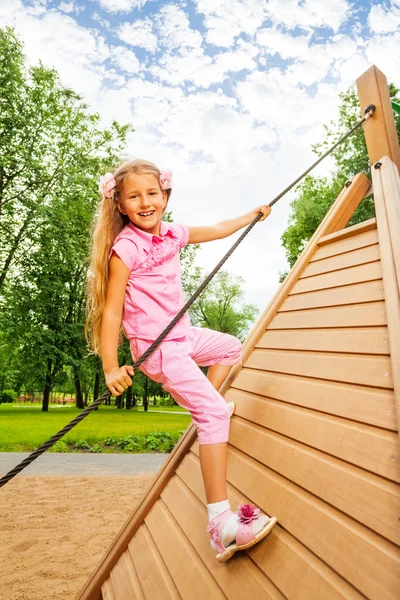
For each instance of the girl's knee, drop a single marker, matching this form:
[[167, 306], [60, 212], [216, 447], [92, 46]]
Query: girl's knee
[[234, 354], [216, 428]]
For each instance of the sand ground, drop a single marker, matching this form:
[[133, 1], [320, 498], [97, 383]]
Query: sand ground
[[54, 530]]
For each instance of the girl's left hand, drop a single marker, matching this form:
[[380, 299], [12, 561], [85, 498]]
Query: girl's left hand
[[265, 209]]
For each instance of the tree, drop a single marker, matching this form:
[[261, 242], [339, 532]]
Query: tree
[[220, 306], [315, 195], [53, 152]]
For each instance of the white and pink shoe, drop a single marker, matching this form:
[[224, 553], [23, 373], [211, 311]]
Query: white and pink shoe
[[245, 536]]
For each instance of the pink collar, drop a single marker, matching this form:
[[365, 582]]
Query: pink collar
[[164, 230]]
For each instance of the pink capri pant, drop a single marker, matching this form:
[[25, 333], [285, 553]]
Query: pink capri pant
[[174, 364]]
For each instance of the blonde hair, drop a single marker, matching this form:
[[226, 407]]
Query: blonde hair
[[107, 223]]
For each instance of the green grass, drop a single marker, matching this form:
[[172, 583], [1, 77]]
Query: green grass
[[23, 429]]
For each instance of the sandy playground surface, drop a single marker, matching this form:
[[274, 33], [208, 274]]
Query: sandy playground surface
[[54, 530]]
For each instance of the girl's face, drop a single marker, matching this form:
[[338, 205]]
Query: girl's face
[[143, 201]]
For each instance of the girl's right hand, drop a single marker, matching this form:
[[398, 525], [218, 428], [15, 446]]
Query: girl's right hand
[[117, 379]]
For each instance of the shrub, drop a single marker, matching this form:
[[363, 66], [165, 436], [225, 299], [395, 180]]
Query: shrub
[[9, 396], [82, 444], [96, 448], [59, 446]]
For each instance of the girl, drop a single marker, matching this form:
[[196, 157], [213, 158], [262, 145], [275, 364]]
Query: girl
[[136, 279]]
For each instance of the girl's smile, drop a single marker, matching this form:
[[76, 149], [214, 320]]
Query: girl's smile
[[143, 201]]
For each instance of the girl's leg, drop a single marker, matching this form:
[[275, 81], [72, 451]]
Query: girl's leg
[[213, 456], [217, 374], [213, 469]]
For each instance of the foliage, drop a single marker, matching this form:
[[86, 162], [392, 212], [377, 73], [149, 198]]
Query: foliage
[[315, 195], [220, 306], [8, 396]]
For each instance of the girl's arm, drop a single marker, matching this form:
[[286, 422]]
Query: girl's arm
[[197, 235], [117, 379]]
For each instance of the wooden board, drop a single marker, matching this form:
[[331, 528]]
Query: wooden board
[[359, 274], [334, 537], [358, 403], [361, 340], [179, 556], [355, 315], [294, 570], [356, 257], [154, 577], [124, 579], [230, 576], [107, 592], [365, 370], [348, 233], [370, 291], [330, 463]]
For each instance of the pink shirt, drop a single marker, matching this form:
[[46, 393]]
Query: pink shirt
[[153, 294]]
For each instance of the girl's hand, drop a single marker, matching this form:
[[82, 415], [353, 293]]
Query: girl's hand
[[265, 209], [117, 379]]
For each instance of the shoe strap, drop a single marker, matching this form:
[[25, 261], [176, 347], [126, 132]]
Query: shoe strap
[[215, 526]]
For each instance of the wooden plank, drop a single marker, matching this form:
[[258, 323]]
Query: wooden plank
[[107, 592], [369, 340], [353, 258], [335, 216], [91, 589], [366, 560], [347, 233], [124, 579], [348, 244], [346, 368], [359, 274], [361, 445], [380, 130], [154, 577], [387, 204], [191, 577], [370, 291], [230, 576], [296, 571], [355, 315], [358, 403]]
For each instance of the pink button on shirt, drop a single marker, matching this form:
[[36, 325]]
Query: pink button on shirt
[[153, 294]]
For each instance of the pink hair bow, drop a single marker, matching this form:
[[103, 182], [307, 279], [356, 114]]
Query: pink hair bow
[[106, 185], [166, 180]]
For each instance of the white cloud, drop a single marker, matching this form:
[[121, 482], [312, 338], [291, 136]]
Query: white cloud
[[67, 7], [174, 29], [383, 51], [227, 19], [123, 6], [309, 13], [138, 34], [286, 45], [384, 19], [125, 59]]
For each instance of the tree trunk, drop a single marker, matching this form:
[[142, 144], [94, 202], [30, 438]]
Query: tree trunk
[[47, 387], [146, 391], [78, 391], [129, 398], [97, 384]]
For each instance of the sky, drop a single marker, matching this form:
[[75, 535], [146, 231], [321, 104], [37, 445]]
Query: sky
[[228, 94]]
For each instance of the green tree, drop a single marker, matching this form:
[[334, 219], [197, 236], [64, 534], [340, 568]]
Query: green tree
[[52, 153], [315, 195], [221, 305]]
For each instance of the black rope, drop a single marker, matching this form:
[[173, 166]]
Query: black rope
[[369, 111]]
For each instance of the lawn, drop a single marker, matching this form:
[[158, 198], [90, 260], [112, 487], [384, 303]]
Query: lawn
[[24, 428]]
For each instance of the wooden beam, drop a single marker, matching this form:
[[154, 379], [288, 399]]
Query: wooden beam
[[380, 130]]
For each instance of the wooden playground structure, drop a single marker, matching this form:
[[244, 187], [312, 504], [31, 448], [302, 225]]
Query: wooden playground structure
[[314, 438]]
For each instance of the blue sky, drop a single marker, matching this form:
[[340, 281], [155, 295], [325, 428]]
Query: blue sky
[[229, 94]]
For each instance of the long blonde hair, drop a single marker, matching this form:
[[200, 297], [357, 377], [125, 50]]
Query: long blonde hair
[[107, 223]]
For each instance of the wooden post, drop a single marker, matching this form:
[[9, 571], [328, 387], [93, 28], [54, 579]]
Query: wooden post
[[380, 130]]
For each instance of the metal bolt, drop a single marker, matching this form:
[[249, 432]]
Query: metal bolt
[[393, 458], [377, 165], [383, 312], [386, 374], [384, 341], [389, 412]]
